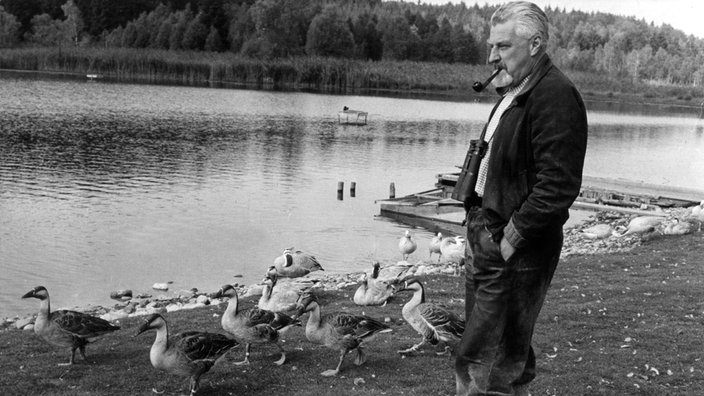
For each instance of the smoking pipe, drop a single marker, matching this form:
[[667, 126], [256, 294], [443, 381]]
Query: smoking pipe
[[479, 86]]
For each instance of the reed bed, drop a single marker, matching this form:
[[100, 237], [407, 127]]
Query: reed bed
[[203, 68], [330, 75]]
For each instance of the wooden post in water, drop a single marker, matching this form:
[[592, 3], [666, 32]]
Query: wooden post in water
[[392, 190], [353, 189], [340, 187]]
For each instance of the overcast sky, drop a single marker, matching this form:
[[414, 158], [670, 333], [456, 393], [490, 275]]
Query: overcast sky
[[685, 15]]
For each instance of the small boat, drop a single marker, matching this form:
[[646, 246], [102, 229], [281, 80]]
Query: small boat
[[352, 117], [93, 76]]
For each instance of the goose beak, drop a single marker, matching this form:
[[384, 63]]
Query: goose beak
[[142, 329], [29, 294], [299, 312]]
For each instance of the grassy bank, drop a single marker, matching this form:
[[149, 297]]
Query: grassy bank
[[613, 324], [308, 73]]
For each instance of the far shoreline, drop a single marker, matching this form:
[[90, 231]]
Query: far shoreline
[[600, 99]]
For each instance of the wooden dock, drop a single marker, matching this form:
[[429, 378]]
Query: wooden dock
[[352, 117], [437, 212]]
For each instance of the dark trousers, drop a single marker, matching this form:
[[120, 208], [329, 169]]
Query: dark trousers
[[503, 300]]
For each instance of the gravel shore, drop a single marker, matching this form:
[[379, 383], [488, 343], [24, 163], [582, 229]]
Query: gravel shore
[[579, 240]]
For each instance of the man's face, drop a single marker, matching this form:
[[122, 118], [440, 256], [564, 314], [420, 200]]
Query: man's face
[[514, 54]]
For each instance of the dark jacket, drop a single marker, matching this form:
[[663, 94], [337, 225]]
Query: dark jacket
[[537, 154]]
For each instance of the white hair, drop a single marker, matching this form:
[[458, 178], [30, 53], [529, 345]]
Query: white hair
[[530, 19]]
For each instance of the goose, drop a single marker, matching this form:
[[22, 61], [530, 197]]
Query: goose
[[391, 273], [406, 245], [433, 322], [453, 249], [598, 231], [639, 225], [677, 227], [697, 211], [293, 264], [253, 325], [276, 298], [66, 328], [373, 290], [188, 354], [434, 246], [341, 331]]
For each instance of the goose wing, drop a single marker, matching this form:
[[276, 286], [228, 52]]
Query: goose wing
[[440, 322], [358, 325], [197, 345], [257, 316], [307, 261], [81, 324]]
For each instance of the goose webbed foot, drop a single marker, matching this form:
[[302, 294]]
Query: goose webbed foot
[[446, 352], [412, 349], [281, 360], [245, 362], [330, 373]]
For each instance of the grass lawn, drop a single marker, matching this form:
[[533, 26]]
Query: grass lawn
[[613, 324]]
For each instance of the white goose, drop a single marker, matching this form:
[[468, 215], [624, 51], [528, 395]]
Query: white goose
[[434, 246], [279, 298], [373, 290], [406, 245], [598, 231], [697, 211], [639, 225], [295, 263], [453, 249], [677, 227]]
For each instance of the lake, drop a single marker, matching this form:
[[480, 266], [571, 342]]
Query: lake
[[118, 186]]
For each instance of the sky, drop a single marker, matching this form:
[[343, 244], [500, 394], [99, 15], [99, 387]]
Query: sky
[[684, 15]]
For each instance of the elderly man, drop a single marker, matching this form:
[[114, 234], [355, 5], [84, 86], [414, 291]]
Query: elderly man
[[528, 179]]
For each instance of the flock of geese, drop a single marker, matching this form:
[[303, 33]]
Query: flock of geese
[[193, 353], [690, 220], [280, 308]]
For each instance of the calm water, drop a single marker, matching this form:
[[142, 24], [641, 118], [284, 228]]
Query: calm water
[[112, 186]]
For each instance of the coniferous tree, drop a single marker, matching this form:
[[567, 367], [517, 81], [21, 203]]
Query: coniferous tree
[[195, 34], [179, 29], [395, 36], [161, 40], [213, 42]]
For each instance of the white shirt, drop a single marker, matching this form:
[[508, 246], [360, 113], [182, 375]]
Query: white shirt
[[491, 128]]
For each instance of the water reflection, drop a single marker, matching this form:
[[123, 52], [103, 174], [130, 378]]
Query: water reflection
[[108, 186]]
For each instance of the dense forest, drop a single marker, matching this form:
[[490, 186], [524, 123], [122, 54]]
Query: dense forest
[[370, 30]]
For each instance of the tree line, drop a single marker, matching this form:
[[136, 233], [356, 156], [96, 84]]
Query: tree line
[[614, 46]]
